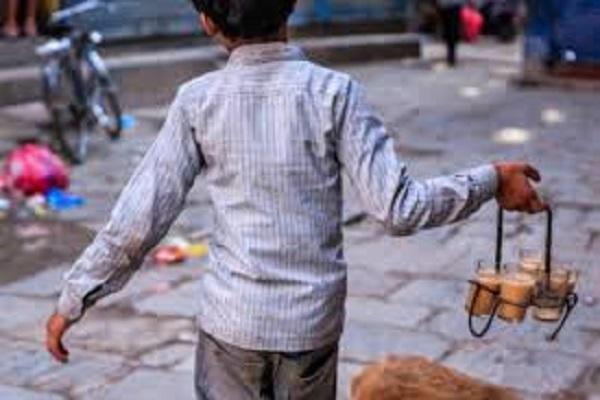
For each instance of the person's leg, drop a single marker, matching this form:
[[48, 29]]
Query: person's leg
[[11, 28], [455, 32], [227, 372], [446, 17], [30, 18], [308, 375], [451, 25]]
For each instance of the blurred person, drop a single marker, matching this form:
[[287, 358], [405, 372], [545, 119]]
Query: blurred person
[[322, 10], [11, 28], [502, 17], [270, 133], [451, 25]]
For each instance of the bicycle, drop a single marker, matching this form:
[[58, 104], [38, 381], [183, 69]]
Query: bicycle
[[77, 89]]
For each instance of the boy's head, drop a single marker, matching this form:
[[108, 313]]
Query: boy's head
[[244, 20]]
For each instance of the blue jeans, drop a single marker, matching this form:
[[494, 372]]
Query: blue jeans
[[226, 372]]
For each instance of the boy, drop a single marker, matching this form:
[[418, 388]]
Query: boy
[[270, 133]]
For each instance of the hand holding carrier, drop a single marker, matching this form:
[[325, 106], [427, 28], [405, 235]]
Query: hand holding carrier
[[536, 283]]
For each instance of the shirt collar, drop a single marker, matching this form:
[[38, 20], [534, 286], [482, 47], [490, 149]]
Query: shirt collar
[[253, 54]]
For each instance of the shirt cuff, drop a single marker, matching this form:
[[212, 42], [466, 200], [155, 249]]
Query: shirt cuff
[[486, 182], [70, 305]]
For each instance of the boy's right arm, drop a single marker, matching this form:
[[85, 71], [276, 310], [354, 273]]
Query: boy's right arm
[[147, 207], [406, 205]]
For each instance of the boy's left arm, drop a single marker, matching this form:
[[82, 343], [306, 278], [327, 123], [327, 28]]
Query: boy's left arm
[[147, 207], [406, 205]]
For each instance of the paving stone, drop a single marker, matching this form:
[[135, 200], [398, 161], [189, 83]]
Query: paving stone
[[196, 218], [364, 343], [540, 372], [127, 335], [592, 220], [180, 302], [24, 317], [153, 385], [528, 335], [594, 350], [188, 336], [533, 396], [168, 356], [572, 340], [591, 380], [364, 282], [187, 365], [364, 231], [25, 363], [587, 317], [377, 312], [81, 375], [15, 393], [45, 284], [452, 324], [437, 293], [19, 366], [408, 255], [346, 371]]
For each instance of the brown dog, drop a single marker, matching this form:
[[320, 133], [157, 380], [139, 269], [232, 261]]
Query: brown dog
[[416, 378]]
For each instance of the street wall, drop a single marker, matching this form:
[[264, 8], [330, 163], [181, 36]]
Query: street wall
[[139, 18]]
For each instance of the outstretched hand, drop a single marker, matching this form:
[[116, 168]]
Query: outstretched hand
[[515, 191], [56, 327]]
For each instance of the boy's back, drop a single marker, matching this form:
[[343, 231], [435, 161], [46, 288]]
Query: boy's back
[[267, 126]]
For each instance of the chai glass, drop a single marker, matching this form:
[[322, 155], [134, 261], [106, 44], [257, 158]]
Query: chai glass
[[551, 296], [516, 291], [484, 290], [573, 280], [531, 262]]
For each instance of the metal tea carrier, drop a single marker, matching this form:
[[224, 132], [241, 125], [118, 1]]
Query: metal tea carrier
[[544, 295]]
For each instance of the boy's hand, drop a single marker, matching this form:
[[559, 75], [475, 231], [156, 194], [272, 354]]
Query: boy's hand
[[56, 327], [515, 191]]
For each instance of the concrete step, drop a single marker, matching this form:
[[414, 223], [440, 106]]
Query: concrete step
[[151, 77]]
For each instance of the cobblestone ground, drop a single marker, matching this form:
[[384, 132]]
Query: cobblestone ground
[[405, 294]]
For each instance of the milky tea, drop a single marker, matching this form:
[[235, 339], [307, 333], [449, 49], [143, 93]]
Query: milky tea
[[560, 285], [516, 291], [486, 295]]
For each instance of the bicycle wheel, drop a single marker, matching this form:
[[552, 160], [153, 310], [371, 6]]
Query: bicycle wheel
[[69, 117], [106, 109]]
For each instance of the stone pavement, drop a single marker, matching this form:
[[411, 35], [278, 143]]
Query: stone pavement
[[405, 294]]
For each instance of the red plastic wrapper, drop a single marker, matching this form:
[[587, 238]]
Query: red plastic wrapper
[[34, 169], [4, 183], [169, 255], [472, 23]]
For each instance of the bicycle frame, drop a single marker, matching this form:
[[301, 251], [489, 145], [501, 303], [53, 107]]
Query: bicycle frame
[[72, 55], [77, 88]]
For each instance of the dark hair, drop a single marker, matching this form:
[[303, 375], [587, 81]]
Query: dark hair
[[247, 19]]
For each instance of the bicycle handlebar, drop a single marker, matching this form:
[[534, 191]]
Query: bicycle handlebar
[[83, 8]]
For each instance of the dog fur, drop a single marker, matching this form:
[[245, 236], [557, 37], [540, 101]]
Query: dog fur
[[416, 378]]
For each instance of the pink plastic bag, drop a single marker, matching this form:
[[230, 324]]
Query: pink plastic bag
[[34, 169], [472, 22]]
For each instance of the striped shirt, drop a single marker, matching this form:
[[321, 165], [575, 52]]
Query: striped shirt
[[271, 134]]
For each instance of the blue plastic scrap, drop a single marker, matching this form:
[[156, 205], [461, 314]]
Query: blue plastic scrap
[[59, 200]]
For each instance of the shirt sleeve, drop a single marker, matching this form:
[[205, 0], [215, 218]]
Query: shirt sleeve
[[403, 204], [148, 205]]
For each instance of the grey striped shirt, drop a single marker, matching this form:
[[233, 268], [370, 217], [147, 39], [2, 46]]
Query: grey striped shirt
[[270, 134]]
